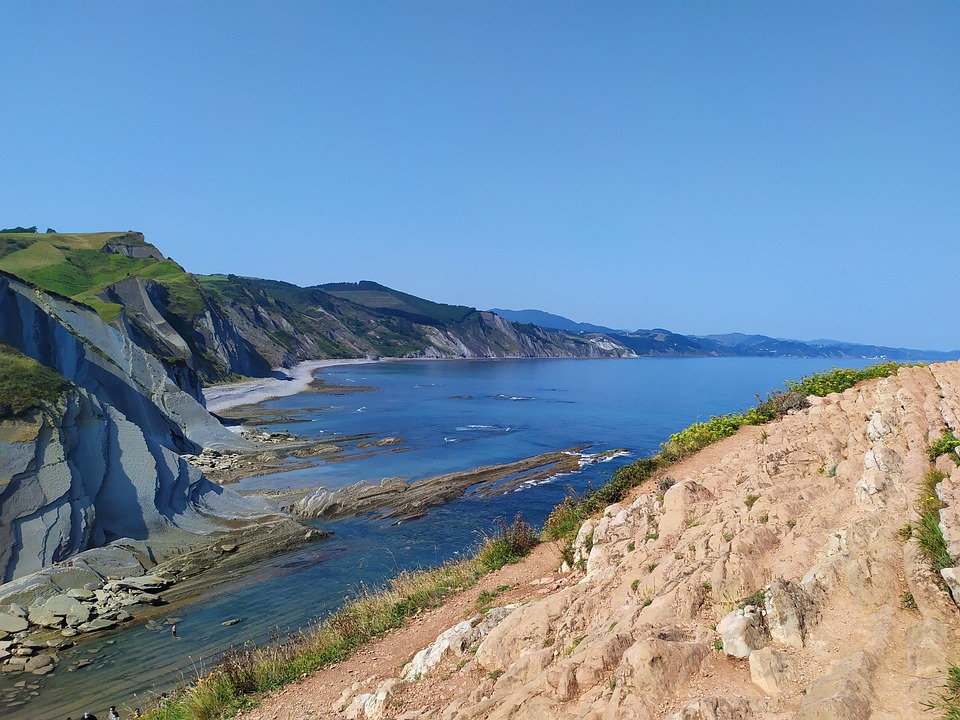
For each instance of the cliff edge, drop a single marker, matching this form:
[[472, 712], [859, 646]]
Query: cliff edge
[[774, 578]]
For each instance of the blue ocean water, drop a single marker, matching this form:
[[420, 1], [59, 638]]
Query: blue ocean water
[[451, 415]]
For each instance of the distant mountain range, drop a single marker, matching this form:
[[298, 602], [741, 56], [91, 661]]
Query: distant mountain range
[[660, 342]]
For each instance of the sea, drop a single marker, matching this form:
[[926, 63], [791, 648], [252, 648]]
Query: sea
[[451, 416]]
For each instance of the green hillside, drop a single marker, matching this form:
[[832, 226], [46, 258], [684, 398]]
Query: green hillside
[[219, 327], [77, 266], [393, 302]]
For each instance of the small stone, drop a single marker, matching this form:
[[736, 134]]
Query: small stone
[[37, 662], [228, 623], [98, 624], [13, 623]]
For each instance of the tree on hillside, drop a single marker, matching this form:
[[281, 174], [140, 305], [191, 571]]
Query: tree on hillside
[[31, 229]]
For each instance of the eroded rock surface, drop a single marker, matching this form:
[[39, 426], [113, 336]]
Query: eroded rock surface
[[103, 462], [799, 522]]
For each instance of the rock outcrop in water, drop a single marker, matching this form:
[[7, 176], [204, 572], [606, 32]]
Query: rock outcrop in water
[[773, 579], [399, 500], [104, 461]]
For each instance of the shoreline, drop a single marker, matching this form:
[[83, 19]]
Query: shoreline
[[258, 390]]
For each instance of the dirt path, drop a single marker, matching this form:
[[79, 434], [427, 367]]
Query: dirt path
[[318, 696]]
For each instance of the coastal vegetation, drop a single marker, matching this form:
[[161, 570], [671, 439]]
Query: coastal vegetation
[[946, 444], [926, 531], [225, 326], [245, 673], [26, 384], [392, 302]]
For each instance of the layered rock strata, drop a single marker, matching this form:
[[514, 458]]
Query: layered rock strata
[[104, 461], [771, 580], [397, 499]]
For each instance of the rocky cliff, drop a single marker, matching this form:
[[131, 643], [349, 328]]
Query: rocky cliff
[[218, 327], [103, 461], [776, 577]]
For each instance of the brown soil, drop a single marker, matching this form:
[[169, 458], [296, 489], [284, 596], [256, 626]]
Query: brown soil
[[319, 695]]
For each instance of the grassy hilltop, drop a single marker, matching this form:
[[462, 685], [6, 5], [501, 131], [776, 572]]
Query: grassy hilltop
[[81, 266]]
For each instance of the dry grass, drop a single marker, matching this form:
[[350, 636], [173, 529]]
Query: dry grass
[[244, 674]]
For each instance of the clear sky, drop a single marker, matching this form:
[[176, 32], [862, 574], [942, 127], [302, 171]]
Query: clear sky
[[785, 168]]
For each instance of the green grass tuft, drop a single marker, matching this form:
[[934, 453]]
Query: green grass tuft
[[26, 384], [947, 443], [926, 531], [947, 700]]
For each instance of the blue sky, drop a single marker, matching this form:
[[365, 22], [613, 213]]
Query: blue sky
[[791, 169]]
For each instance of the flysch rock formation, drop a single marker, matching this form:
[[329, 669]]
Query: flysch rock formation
[[104, 464], [399, 500], [768, 581]]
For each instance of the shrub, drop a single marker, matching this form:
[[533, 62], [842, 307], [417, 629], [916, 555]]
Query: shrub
[[946, 443], [926, 531], [508, 544]]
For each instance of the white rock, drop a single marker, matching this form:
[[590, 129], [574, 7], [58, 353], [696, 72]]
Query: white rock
[[64, 605], [745, 633], [13, 623], [951, 576], [372, 705], [457, 640]]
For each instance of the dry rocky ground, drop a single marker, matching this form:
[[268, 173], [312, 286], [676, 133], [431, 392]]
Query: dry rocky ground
[[807, 509]]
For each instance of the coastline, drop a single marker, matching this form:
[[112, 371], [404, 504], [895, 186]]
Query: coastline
[[258, 390]]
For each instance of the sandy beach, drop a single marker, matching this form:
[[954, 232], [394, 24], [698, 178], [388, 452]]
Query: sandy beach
[[247, 392]]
